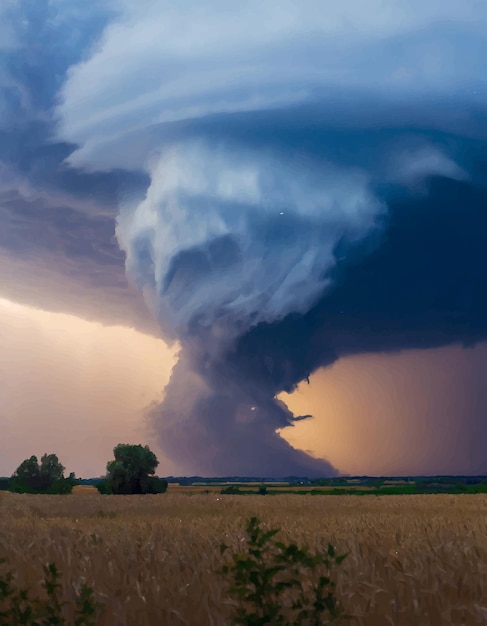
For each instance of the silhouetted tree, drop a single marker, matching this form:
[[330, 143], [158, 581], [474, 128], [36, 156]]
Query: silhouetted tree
[[51, 469], [132, 471], [27, 476], [46, 477]]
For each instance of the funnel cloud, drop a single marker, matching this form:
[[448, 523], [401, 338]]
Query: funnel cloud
[[227, 239]]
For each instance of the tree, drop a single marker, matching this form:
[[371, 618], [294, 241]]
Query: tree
[[27, 476], [51, 469], [132, 471], [46, 477]]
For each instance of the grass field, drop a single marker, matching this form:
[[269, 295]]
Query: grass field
[[272, 488], [152, 560]]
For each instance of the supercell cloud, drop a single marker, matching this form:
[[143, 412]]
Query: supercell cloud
[[228, 238], [294, 182]]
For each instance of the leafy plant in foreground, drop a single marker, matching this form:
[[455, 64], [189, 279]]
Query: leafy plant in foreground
[[279, 584], [18, 608]]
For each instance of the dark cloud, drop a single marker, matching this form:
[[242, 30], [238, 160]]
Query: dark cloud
[[57, 235], [290, 187], [424, 285], [217, 421], [58, 248]]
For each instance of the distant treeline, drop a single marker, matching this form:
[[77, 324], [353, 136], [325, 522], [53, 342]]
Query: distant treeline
[[342, 485], [340, 481]]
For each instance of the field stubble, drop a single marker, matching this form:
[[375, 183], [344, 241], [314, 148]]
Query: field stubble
[[154, 560]]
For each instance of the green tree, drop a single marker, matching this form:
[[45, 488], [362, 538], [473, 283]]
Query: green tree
[[27, 476], [51, 468], [132, 471], [46, 476]]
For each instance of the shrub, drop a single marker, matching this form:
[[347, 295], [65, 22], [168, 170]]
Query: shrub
[[267, 581], [231, 490], [156, 485], [18, 607], [63, 486], [103, 487], [152, 485]]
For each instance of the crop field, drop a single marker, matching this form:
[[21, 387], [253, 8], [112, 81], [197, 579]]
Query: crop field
[[272, 488], [155, 560]]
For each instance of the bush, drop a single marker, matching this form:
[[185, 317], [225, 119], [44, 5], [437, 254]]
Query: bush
[[63, 486], [104, 487], [153, 485], [231, 490], [18, 607], [268, 572]]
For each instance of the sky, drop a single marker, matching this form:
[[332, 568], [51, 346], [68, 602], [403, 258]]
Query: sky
[[250, 235]]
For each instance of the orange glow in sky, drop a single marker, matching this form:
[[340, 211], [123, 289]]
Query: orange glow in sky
[[75, 388], [405, 413]]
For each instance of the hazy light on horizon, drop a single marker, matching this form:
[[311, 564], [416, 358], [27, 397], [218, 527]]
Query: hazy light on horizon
[[411, 412], [67, 386]]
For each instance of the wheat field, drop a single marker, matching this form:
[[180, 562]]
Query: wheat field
[[154, 560]]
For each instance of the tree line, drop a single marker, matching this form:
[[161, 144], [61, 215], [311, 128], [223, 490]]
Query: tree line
[[131, 471]]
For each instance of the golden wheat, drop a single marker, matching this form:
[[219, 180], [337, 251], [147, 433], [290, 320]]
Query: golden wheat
[[153, 560]]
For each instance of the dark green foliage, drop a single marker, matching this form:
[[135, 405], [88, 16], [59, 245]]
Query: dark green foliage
[[4, 484], [63, 485], [27, 476], [86, 607], [18, 608], [232, 490], [132, 472], [51, 469], [377, 483], [160, 485], [46, 477], [429, 486], [104, 487], [53, 607], [268, 571], [262, 490]]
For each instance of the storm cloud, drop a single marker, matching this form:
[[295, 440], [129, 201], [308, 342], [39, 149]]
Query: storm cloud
[[292, 184], [58, 249]]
